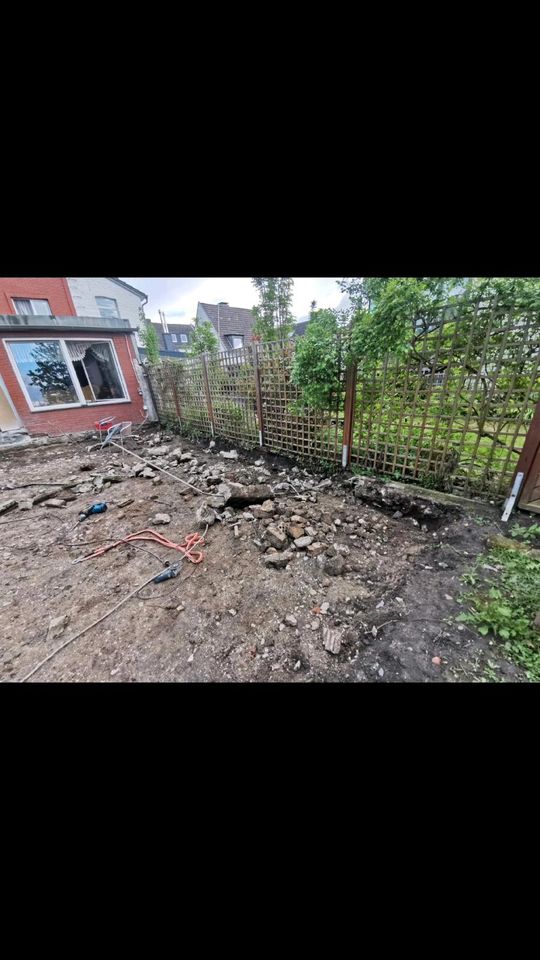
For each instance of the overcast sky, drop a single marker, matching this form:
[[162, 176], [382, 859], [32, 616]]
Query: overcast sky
[[178, 296]]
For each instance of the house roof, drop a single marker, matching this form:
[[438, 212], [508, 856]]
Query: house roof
[[128, 287], [177, 328], [300, 328], [232, 320]]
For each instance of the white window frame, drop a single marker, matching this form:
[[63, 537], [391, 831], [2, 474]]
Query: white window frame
[[183, 338], [82, 401], [31, 301], [108, 315], [174, 338], [236, 336]]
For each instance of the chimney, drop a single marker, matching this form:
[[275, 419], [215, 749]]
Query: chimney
[[163, 321]]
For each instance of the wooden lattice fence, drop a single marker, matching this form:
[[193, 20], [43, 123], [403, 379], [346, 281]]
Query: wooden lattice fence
[[453, 413]]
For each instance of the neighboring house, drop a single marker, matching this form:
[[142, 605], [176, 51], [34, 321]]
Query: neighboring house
[[108, 297], [233, 325], [300, 328], [60, 372], [174, 339]]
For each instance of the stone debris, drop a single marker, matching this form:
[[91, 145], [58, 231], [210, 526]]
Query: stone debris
[[55, 502], [302, 543], [229, 455], [275, 537], [160, 518], [332, 640], [7, 505], [295, 531], [278, 560], [324, 484], [290, 620], [57, 626], [334, 566], [205, 515], [245, 495], [315, 549], [25, 504], [147, 473], [263, 511], [157, 451]]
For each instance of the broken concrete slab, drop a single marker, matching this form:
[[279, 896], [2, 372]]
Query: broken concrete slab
[[278, 560], [7, 505], [295, 531], [55, 502], [237, 493], [205, 515], [302, 543], [275, 537], [229, 455], [314, 549], [160, 518], [332, 640], [57, 626]]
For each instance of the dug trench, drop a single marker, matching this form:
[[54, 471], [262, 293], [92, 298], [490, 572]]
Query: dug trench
[[306, 577]]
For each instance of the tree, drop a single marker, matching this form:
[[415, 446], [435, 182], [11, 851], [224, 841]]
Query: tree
[[203, 339], [273, 317], [150, 341]]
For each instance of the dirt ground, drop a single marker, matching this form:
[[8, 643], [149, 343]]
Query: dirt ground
[[379, 594]]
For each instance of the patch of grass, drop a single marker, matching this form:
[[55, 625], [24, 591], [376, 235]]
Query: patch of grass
[[506, 604]]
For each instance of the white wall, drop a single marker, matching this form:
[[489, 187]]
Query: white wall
[[84, 291]]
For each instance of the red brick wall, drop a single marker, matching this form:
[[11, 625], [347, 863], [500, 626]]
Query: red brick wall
[[53, 289], [74, 419]]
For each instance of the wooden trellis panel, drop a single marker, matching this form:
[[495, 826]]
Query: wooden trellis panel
[[288, 428], [231, 380], [454, 413]]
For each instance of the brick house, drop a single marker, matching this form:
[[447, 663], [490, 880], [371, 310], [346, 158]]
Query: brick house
[[61, 372]]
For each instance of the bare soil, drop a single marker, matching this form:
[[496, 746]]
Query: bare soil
[[389, 606]]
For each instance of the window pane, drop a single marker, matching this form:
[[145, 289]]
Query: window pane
[[96, 370], [183, 338], [236, 342], [44, 372], [107, 307], [41, 308], [173, 337], [23, 307]]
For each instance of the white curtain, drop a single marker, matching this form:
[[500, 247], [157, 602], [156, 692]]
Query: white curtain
[[76, 349]]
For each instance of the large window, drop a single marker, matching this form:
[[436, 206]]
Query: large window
[[236, 341], [44, 372], [107, 307], [32, 308], [67, 372]]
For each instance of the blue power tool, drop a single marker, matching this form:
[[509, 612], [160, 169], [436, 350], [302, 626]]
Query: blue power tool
[[95, 508]]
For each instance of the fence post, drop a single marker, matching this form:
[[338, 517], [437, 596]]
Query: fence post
[[258, 393], [350, 404], [207, 392]]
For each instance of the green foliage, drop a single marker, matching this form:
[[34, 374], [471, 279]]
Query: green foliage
[[506, 606], [273, 317], [528, 534], [150, 341], [203, 339], [318, 361], [228, 411]]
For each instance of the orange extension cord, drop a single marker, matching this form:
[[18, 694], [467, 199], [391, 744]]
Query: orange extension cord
[[186, 548]]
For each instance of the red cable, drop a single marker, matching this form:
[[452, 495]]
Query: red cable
[[186, 547]]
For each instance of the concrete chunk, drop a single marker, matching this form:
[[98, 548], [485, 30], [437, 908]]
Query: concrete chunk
[[275, 537]]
